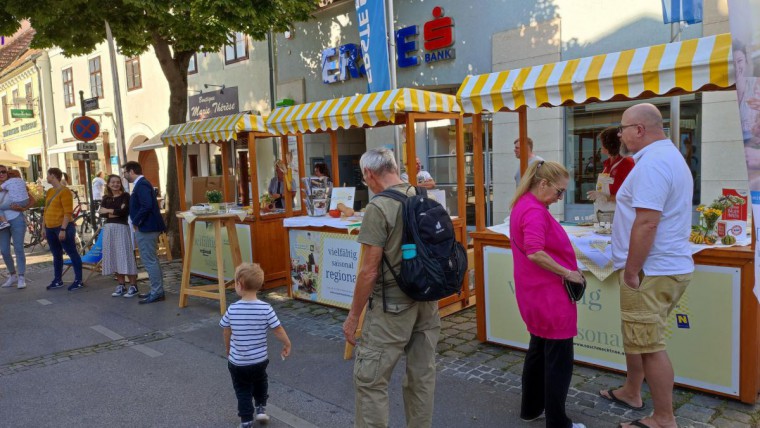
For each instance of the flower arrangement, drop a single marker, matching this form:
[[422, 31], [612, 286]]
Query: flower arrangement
[[214, 196], [266, 202], [38, 193], [708, 217]]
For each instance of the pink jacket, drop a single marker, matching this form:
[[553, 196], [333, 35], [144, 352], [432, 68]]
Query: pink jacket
[[544, 304]]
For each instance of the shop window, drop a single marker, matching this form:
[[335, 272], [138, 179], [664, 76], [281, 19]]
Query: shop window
[[96, 78], [134, 76], [29, 95], [68, 87], [192, 67], [6, 115], [583, 156], [236, 49]]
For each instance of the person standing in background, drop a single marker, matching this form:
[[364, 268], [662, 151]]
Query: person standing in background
[[532, 157], [98, 185], [148, 224]]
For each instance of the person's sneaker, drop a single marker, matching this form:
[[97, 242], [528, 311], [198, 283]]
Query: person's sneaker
[[261, 415], [248, 424], [76, 285], [132, 292], [10, 282], [541, 416], [55, 284], [120, 290], [579, 425], [21, 282], [4, 225]]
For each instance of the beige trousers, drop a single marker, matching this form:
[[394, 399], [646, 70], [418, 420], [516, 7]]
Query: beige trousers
[[410, 330]]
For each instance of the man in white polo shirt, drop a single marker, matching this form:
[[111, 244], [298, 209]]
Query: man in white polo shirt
[[650, 251]]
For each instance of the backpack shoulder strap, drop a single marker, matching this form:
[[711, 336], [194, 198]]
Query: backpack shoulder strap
[[398, 196]]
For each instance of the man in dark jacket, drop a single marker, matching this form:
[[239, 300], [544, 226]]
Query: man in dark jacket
[[148, 224]]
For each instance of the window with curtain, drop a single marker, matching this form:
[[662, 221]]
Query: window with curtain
[[68, 87], [96, 78], [134, 77]]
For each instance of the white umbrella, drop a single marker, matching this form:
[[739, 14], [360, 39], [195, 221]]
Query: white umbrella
[[9, 159]]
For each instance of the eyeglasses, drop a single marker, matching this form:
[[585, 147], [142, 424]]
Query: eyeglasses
[[622, 127], [560, 192]]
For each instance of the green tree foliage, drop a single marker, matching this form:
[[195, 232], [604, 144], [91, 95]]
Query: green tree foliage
[[176, 29]]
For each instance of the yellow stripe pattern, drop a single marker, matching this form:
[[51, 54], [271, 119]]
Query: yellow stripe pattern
[[357, 111], [215, 129], [688, 65]]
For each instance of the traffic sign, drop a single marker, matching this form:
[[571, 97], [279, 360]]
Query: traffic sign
[[87, 147], [91, 104], [85, 156], [85, 128]]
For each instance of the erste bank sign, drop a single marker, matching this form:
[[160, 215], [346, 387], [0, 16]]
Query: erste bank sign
[[342, 63]]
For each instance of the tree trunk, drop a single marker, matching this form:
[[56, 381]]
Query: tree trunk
[[175, 71]]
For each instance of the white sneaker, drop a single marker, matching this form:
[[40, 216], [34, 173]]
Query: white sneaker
[[263, 418], [579, 425], [10, 282], [120, 290], [21, 282]]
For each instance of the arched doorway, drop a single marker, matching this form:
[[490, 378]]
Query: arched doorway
[[149, 162]]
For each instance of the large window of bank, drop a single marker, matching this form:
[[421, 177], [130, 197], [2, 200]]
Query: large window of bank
[[583, 157]]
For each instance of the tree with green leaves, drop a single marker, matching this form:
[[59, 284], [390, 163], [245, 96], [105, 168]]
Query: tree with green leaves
[[175, 29]]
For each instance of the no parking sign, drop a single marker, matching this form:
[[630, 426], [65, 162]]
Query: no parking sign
[[85, 128]]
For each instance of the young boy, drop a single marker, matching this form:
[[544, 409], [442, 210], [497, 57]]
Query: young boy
[[13, 191], [245, 335]]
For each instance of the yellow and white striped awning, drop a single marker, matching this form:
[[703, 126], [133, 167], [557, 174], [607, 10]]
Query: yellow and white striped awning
[[215, 129], [686, 66], [358, 111]]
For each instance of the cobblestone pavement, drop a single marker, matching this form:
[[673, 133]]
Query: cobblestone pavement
[[460, 355]]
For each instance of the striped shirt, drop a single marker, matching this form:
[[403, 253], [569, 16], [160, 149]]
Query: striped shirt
[[249, 321], [62, 205]]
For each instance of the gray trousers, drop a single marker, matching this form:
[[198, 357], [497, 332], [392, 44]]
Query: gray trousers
[[385, 338], [146, 243]]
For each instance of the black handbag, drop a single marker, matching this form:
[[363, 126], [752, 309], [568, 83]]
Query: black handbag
[[575, 289]]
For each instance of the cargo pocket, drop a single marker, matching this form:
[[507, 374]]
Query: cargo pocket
[[366, 366], [641, 331]]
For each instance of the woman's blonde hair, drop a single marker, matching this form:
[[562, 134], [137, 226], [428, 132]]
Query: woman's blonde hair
[[540, 170]]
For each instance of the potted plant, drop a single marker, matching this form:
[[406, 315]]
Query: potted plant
[[266, 203], [214, 198], [705, 232]]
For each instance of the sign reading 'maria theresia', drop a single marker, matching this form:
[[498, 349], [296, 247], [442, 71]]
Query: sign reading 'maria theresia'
[[213, 104]]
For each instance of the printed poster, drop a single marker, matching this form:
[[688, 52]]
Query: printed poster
[[744, 20], [204, 249], [705, 323], [323, 266]]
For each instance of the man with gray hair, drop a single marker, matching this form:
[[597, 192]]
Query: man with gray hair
[[394, 324]]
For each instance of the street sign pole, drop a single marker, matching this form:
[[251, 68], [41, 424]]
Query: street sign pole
[[89, 174]]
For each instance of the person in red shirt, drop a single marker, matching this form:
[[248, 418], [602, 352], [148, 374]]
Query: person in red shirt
[[616, 169]]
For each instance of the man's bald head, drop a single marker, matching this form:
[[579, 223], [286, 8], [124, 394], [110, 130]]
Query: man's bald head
[[645, 114]]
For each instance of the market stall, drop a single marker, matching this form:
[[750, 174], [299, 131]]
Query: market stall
[[324, 253], [717, 319], [240, 137]]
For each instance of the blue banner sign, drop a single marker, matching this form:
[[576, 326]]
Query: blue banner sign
[[373, 34]]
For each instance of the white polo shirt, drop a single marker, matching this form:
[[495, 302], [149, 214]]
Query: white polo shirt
[[660, 181]]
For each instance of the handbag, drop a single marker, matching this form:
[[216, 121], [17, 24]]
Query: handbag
[[575, 289]]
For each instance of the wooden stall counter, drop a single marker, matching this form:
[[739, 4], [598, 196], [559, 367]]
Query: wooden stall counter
[[324, 260], [712, 333]]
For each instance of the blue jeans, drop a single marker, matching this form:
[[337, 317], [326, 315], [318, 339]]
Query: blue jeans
[[17, 231], [57, 247], [146, 243]]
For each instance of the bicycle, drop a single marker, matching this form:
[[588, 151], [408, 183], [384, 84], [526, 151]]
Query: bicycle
[[35, 228]]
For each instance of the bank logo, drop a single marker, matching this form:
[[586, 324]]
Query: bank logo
[[682, 320]]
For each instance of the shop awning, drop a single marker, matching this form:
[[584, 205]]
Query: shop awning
[[151, 143], [215, 129], [358, 111], [673, 68], [9, 159]]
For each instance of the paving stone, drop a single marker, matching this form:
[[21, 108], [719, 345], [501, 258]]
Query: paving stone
[[453, 341], [685, 422], [727, 423], [736, 416], [453, 353], [466, 335], [695, 413]]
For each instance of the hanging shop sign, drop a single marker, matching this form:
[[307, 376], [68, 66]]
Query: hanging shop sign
[[22, 113], [18, 129], [344, 62], [214, 104]]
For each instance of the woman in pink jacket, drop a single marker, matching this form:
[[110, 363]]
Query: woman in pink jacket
[[543, 257]]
